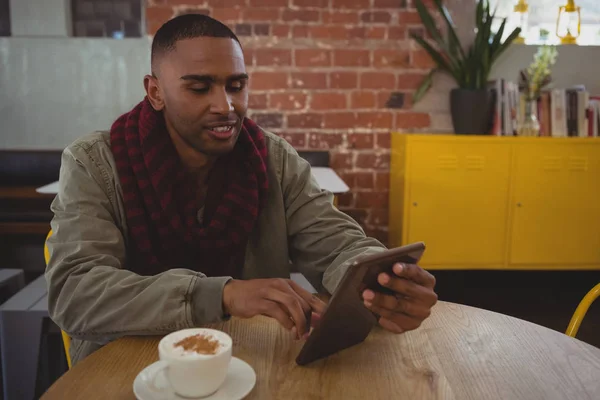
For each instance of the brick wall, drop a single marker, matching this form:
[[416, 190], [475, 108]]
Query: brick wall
[[335, 75]]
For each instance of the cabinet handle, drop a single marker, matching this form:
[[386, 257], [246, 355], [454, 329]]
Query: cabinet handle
[[415, 204], [519, 205]]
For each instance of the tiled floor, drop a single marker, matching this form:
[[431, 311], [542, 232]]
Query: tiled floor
[[544, 298]]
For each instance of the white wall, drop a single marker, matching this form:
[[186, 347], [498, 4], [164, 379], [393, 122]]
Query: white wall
[[54, 90], [574, 65]]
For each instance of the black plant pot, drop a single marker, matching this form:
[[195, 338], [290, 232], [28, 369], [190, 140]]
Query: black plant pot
[[472, 111]]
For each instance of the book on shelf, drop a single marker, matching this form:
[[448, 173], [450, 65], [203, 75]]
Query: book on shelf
[[561, 112]]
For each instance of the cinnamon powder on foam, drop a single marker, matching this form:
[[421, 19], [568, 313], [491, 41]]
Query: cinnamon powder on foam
[[199, 344]]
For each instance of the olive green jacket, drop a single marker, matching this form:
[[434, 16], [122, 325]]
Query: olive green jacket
[[94, 297]]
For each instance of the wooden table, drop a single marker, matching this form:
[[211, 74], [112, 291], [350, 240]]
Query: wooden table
[[460, 353]]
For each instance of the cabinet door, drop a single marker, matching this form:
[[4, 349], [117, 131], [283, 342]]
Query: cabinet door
[[458, 195], [556, 204]]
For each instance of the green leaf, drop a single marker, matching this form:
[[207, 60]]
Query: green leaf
[[424, 86], [437, 56]]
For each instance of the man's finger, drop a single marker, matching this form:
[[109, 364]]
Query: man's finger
[[292, 306], [408, 288], [317, 305], [402, 322], [414, 273], [274, 310], [400, 305]]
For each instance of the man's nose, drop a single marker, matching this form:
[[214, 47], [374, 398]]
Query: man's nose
[[220, 102]]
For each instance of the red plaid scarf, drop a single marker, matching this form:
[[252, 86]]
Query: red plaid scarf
[[161, 201]]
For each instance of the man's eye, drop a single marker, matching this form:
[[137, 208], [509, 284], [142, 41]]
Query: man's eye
[[200, 89], [236, 86]]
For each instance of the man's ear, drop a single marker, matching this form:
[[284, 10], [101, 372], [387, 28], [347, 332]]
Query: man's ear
[[154, 92]]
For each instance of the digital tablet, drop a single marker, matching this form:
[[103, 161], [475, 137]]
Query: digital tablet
[[346, 320]]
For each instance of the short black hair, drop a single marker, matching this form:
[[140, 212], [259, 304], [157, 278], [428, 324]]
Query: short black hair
[[187, 26]]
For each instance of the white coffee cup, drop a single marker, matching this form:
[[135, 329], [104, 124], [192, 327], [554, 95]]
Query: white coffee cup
[[192, 374]]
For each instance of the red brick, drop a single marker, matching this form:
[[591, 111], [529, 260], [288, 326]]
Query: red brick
[[273, 57], [268, 3], [383, 140], [340, 120], [372, 200], [287, 101], [378, 80], [378, 217], [181, 2], [311, 3], [340, 161], [335, 32], [409, 17], [227, 14], [361, 140], [305, 120], [375, 32], [309, 80], [397, 32], [159, 13], [300, 31], [281, 31], [357, 32], [389, 4], [365, 180], [249, 56], [340, 17], [391, 58], [356, 4], [153, 26], [346, 200], [297, 140], [312, 58], [268, 80], [343, 80], [368, 119], [302, 15], [268, 120], [370, 160], [363, 99], [382, 181], [192, 10], [257, 101], [348, 177], [360, 216], [328, 101], [351, 58], [409, 81], [227, 3], [261, 14], [421, 59], [325, 140], [376, 16], [380, 234], [412, 120]]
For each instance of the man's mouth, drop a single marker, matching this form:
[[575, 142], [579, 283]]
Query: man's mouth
[[222, 132]]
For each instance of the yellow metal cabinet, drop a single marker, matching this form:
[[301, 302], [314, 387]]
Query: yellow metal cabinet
[[556, 205], [483, 202]]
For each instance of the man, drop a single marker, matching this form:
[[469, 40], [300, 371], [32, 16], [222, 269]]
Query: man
[[187, 212]]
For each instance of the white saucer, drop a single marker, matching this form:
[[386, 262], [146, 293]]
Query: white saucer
[[239, 382]]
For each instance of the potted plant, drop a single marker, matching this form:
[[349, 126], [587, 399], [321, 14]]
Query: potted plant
[[471, 103]]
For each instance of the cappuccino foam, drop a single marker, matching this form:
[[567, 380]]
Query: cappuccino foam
[[197, 344]]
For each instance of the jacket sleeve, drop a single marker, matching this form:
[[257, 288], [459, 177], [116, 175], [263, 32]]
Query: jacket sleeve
[[91, 295], [323, 241]]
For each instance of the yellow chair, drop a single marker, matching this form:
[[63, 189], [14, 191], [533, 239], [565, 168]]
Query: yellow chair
[[65, 337], [581, 310]]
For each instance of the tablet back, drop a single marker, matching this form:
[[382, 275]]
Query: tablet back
[[347, 321]]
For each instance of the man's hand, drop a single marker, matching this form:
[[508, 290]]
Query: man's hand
[[281, 299], [410, 306]]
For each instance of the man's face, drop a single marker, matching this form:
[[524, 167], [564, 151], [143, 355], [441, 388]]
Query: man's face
[[202, 90]]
